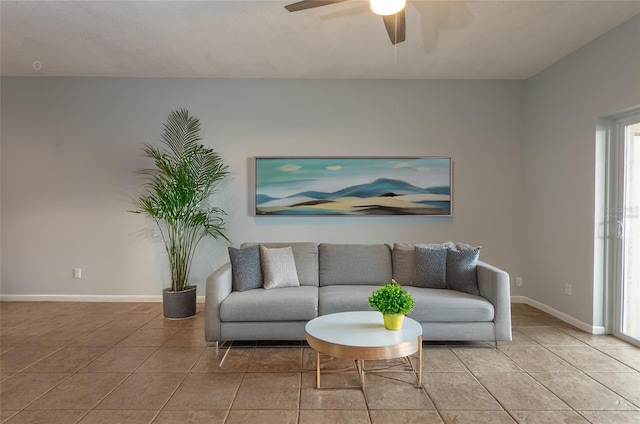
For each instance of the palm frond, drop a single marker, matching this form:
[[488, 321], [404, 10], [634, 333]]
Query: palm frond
[[177, 192]]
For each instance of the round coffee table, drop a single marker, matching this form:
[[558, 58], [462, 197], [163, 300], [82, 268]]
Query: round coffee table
[[360, 336]]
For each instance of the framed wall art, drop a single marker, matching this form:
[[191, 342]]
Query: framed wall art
[[353, 186]]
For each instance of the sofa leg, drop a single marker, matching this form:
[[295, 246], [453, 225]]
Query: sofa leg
[[225, 354], [495, 337]]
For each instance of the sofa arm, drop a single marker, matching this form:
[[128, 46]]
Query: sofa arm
[[218, 288], [494, 286]]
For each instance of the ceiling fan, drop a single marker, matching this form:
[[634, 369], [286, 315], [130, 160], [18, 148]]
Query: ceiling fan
[[392, 12]]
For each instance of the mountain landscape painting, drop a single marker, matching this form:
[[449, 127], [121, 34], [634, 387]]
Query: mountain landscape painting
[[359, 186]]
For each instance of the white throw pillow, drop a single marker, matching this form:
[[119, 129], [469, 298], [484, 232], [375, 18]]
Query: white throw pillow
[[278, 268]]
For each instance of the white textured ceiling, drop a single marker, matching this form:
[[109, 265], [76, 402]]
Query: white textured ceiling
[[260, 39]]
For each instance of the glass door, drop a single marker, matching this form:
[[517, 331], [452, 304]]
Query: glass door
[[628, 231]]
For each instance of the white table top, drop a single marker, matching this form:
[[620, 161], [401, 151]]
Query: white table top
[[361, 329]]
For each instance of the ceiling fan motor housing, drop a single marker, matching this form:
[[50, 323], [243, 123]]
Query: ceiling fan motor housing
[[387, 7]]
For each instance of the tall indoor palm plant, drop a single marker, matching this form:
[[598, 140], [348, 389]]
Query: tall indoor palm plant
[[177, 192]]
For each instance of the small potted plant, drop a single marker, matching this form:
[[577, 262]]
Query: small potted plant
[[393, 302]]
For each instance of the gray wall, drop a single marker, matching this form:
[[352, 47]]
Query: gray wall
[[563, 209], [70, 148], [524, 162]]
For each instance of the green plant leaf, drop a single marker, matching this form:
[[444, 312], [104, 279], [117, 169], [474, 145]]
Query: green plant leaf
[[392, 299], [177, 192]]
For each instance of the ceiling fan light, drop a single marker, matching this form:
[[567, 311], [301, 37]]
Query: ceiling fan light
[[387, 7]]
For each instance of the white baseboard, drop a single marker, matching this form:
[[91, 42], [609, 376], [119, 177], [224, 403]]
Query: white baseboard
[[593, 329], [83, 298]]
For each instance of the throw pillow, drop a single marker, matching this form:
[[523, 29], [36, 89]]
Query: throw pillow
[[461, 270], [245, 268], [463, 246], [404, 260], [278, 267], [446, 245], [431, 267]]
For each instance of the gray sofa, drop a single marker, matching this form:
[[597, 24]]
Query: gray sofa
[[341, 277]]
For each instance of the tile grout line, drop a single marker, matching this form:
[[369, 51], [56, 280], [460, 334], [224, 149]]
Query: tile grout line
[[571, 408], [71, 374], [482, 385], [186, 374], [547, 348], [300, 384], [576, 368], [128, 375], [585, 373], [235, 395], [300, 374], [616, 359]]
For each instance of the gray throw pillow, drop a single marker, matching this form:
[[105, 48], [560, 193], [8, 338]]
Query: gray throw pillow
[[431, 267], [446, 245], [464, 246], [461, 270], [245, 268], [279, 268]]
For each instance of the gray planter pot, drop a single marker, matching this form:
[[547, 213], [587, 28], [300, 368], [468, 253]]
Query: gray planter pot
[[179, 304]]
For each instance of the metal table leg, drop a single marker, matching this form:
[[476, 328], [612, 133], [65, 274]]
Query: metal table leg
[[420, 360], [318, 370], [360, 365]]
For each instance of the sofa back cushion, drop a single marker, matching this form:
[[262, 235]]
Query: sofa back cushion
[[305, 255], [354, 264], [405, 265]]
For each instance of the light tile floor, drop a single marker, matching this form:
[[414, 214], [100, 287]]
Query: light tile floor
[[123, 363]]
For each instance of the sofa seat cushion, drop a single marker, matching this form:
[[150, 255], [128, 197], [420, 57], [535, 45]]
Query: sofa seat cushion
[[344, 298], [281, 304], [442, 305]]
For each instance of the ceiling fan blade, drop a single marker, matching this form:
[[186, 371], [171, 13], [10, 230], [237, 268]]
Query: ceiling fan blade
[[345, 12], [310, 4], [395, 25]]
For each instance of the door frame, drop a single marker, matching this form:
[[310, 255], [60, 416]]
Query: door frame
[[614, 221]]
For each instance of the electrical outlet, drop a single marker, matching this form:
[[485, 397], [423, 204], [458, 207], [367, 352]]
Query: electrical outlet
[[77, 273], [567, 289], [518, 281]]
